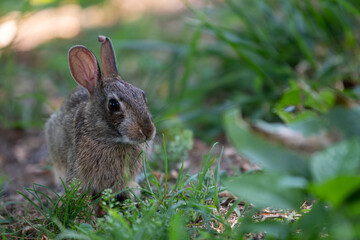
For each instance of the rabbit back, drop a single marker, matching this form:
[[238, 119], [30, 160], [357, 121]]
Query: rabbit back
[[59, 132]]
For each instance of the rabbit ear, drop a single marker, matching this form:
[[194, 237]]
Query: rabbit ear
[[84, 67], [108, 60]]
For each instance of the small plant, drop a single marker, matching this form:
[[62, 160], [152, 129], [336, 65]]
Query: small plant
[[66, 211], [108, 200], [180, 142]]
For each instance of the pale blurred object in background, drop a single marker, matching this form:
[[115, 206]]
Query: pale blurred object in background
[[32, 29]]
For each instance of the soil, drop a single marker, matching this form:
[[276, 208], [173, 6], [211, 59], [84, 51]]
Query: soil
[[23, 160]]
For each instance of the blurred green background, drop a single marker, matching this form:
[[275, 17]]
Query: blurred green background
[[194, 59]]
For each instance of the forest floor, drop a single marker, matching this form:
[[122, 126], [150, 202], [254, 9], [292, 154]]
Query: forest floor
[[23, 159], [23, 162]]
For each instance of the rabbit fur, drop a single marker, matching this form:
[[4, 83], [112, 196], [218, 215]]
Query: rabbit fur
[[99, 133]]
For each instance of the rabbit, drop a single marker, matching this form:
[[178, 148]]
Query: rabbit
[[99, 133]]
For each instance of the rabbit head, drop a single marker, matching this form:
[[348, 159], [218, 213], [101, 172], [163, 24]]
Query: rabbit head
[[117, 111]]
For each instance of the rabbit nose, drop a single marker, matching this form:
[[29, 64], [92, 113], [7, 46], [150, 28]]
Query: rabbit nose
[[147, 134], [142, 134]]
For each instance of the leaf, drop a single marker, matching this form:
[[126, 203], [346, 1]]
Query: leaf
[[320, 101], [340, 159], [269, 189], [269, 155], [84, 227], [292, 96], [337, 190], [313, 222], [177, 230], [294, 101], [346, 120], [309, 126], [273, 229]]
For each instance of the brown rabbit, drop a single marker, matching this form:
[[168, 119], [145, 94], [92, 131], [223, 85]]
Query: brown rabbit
[[100, 131]]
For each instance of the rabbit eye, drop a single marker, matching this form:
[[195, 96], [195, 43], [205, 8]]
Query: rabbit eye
[[113, 105]]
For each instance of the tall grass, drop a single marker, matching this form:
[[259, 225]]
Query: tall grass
[[258, 47]]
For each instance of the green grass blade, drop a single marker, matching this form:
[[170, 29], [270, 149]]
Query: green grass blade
[[166, 168], [232, 208], [189, 59], [149, 189]]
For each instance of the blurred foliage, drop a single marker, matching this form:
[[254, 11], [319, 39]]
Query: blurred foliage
[[330, 177], [179, 143], [231, 54], [259, 47], [25, 6]]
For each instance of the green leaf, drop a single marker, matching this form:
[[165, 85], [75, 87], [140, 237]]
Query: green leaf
[[337, 190], [328, 97], [320, 101], [177, 230], [269, 189], [84, 227], [273, 229], [313, 222], [340, 159], [346, 120], [257, 149], [310, 126], [290, 117], [291, 96], [294, 101]]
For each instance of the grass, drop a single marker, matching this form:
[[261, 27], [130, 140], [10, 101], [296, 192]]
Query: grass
[[191, 207], [293, 63], [58, 211], [190, 200]]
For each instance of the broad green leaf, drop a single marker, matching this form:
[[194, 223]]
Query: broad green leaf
[[294, 101], [342, 227], [290, 117], [354, 208], [84, 227], [337, 190], [309, 126], [177, 230], [275, 229], [269, 189], [312, 223], [346, 120], [340, 159], [328, 97], [257, 149], [320, 101], [292, 96]]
